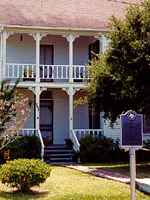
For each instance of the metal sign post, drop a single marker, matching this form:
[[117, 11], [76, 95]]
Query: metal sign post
[[132, 172], [132, 139]]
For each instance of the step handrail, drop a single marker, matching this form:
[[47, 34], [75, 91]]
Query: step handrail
[[42, 144], [74, 139]]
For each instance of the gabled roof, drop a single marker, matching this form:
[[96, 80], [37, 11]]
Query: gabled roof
[[83, 14]]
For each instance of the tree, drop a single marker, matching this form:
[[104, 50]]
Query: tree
[[121, 76], [14, 111]]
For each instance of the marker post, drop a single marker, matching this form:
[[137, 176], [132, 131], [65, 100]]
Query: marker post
[[132, 173]]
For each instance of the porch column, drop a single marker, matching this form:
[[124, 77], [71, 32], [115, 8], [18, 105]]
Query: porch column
[[70, 91], [4, 47], [1, 55], [37, 37], [103, 43], [70, 38], [37, 110]]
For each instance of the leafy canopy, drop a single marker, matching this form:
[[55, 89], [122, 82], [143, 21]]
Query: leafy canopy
[[121, 76]]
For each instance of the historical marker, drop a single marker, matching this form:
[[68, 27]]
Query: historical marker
[[131, 130], [132, 139]]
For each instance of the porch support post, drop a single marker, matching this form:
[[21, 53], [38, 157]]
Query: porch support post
[[37, 37], [4, 39], [70, 91], [71, 38], [4, 36], [103, 43], [37, 110], [1, 55]]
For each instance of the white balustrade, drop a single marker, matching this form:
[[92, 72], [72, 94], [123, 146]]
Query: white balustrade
[[74, 139], [27, 72], [83, 132], [22, 71], [50, 72], [80, 72]]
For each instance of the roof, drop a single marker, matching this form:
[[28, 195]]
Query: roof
[[82, 14]]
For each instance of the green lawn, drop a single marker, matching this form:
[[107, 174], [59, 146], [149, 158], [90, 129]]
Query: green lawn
[[143, 169], [68, 184]]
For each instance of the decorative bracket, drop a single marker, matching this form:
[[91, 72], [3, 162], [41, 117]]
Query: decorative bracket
[[71, 37], [38, 36], [71, 90]]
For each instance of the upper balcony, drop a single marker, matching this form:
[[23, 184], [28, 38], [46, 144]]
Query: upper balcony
[[47, 58], [48, 73]]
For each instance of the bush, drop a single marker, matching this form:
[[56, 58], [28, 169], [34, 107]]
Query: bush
[[24, 173], [95, 149], [102, 149], [25, 147]]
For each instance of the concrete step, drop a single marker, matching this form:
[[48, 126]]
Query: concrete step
[[58, 154], [61, 151]]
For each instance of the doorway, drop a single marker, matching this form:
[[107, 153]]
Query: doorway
[[46, 117], [46, 60]]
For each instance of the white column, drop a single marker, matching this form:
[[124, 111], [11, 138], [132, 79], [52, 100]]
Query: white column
[[71, 38], [71, 93], [1, 56], [5, 36], [103, 43], [37, 37], [37, 110]]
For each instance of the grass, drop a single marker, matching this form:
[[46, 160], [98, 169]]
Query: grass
[[143, 169], [69, 184]]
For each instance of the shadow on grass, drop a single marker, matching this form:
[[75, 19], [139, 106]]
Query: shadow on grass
[[17, 195]]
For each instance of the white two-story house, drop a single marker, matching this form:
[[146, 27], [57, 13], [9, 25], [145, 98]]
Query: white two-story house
[[47, 44]]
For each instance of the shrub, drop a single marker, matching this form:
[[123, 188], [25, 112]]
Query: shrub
[[95, 149], [102, 149], [25, 147], [24, 173]]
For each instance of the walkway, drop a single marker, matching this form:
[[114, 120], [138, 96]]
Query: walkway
[[142, 184]]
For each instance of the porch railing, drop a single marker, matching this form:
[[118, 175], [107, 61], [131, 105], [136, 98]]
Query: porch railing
[[30, 132], [27, 72], [83, 132], [22, 71], [75, 141]]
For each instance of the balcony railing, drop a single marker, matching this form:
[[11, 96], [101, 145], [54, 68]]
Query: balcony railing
[[47, 73]]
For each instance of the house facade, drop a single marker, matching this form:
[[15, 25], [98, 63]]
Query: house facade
[[47, 45]]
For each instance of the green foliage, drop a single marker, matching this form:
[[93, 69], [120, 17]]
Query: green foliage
[[121, 75], [99, 149], [25, 147], [102, 149], [24, 173]]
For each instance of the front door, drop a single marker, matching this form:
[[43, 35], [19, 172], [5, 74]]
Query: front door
[[46, 60], [46, 119]]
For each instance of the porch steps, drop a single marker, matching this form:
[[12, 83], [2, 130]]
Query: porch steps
[[58, 154]]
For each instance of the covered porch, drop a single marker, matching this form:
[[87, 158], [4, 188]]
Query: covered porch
[[48, 57]]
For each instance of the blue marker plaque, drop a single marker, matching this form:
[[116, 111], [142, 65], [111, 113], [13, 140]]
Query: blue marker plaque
[[131, 129]]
